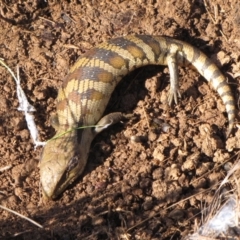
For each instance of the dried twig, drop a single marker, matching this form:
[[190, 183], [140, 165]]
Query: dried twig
[[22, 216], [25, 106]]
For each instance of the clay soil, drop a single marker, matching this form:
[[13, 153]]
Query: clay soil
[[147, 177]]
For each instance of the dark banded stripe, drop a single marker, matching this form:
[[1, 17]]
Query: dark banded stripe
[[153, 43], [94, 73], [215, 74], [130, 46], [220, 85], [106, 55], [171, 41], [232, 120], [206, 64], [226, 94], [196, 55], [92, 94], [232, 114], [72, 76], [230, 102]]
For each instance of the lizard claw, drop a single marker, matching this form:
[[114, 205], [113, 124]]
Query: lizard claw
[[173, 94]]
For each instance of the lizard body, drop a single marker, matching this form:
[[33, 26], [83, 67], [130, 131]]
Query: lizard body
[[87, 88]]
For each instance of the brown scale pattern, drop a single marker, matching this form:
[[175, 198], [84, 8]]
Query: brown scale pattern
[[108, 62]]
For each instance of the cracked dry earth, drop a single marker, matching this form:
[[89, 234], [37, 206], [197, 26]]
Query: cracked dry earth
[[141, 171]]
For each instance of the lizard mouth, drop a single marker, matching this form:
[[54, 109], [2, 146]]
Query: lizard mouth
[[52, 193], [59, 165], [55, 180]]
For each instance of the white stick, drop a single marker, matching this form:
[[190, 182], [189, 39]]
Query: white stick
[[26, 107]]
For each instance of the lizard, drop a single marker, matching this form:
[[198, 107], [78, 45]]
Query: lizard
[[88, 86]]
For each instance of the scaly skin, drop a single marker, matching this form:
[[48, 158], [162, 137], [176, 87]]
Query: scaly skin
[[87, 88]]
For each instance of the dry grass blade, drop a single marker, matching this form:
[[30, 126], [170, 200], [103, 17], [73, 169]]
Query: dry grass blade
[[2, 169], [22, 216], [171, 206], [214, 20], [223, 213]]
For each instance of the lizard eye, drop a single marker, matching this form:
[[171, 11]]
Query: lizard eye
[[73, 163]]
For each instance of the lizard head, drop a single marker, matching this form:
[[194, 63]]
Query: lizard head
[[63, 160], [65, 155]]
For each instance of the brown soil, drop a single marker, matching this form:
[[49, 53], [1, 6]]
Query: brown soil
[[130, 189]]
